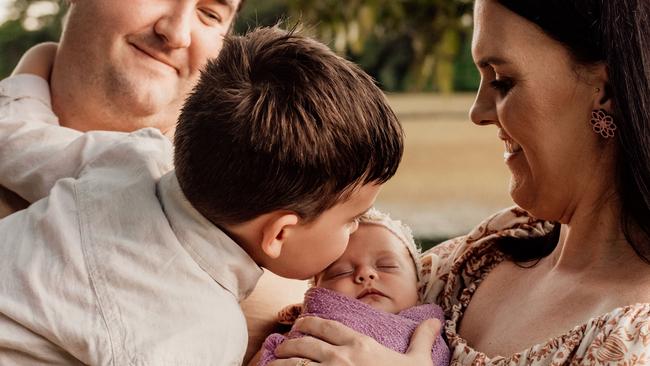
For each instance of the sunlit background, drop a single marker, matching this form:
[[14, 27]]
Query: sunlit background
[[452, 174]]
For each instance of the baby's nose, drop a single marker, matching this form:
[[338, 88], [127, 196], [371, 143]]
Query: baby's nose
[[365, 274]]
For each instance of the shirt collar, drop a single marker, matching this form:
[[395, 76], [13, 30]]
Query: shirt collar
[[215, 252]]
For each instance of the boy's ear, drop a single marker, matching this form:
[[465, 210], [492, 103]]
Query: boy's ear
[[274, 232]]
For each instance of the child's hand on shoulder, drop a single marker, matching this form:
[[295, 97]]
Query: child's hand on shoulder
[[38, 60]]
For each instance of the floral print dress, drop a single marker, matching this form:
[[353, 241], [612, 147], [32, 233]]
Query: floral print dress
[[453, 270]]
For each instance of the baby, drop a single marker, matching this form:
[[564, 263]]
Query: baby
[[371, 288]]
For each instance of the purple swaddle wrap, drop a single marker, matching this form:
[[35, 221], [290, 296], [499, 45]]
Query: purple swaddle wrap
[[392, 330]]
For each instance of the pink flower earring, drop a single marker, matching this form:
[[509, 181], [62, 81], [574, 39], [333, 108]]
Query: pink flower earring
[[603, 123]]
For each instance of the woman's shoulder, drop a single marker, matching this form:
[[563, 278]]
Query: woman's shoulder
[[471, 254], [623, 334], [620, 337]]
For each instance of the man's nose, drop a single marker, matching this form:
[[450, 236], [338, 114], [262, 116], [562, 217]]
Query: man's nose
[[175, 26]]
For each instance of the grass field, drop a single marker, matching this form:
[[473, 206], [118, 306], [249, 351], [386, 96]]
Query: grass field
[[452, 174]]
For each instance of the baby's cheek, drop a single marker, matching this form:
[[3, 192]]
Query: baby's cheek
[[338, 286]]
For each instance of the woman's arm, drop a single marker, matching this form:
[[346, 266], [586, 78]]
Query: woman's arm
[[333, 344]]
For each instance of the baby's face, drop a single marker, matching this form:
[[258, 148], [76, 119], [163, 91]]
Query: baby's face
[[376, 268]]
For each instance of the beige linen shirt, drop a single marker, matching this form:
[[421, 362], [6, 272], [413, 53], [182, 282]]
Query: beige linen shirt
[[111, 265]]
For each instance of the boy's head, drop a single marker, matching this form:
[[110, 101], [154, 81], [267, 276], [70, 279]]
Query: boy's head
[[380, 266], [283, 144]]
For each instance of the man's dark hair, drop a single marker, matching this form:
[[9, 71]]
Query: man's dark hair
[[279, 122]]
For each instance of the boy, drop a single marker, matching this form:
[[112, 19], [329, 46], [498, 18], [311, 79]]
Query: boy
[[278, 151], [371, 288]]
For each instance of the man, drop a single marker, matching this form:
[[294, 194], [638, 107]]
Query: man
[[128, 65], [132, 63]]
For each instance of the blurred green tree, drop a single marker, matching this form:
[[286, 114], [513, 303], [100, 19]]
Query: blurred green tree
[[406, 45], [29, 22]]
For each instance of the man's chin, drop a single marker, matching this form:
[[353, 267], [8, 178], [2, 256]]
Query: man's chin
[[144, 103]]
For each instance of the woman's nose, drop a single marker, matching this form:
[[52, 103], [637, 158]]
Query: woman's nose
[[483, 111]]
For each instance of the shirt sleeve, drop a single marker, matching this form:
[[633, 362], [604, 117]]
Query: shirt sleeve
[[35, 151]]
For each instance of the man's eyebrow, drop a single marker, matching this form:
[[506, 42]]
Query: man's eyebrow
[[490, 61], [229, 3]]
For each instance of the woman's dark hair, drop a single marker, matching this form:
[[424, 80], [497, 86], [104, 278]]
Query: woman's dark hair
[[617, 33]]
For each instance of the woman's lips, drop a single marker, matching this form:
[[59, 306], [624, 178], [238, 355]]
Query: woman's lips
[[511, 147]]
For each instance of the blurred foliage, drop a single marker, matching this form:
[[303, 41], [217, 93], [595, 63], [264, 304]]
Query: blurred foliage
[[15, 39], [406, 45]]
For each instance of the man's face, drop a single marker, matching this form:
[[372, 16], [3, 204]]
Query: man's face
[[142, 57]]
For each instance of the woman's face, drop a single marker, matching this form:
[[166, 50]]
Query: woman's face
[[541, 101]]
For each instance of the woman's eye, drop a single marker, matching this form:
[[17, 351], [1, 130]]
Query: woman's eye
[[503, 86]]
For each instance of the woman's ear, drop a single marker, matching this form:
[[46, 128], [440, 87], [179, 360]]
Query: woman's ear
[[602, 89], [275, 232]]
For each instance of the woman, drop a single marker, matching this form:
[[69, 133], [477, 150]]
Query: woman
[[566, 84]]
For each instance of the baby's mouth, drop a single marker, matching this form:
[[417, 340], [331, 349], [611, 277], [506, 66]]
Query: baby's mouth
[[370, 292]]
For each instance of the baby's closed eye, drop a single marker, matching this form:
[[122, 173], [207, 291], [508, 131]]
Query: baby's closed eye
[[388, 265], [338, 273]]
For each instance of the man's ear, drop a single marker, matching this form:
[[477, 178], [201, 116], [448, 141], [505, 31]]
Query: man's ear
[[274, 232]]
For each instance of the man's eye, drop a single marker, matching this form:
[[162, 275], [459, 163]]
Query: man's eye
[[211, 16]]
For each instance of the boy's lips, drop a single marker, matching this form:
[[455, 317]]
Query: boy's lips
[[370, 291]]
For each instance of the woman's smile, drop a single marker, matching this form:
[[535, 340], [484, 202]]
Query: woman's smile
[[511, 147]]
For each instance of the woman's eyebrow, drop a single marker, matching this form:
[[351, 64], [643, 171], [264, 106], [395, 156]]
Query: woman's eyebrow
[[490, 61]]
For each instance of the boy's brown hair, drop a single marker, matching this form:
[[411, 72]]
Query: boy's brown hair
[[279, 122]]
